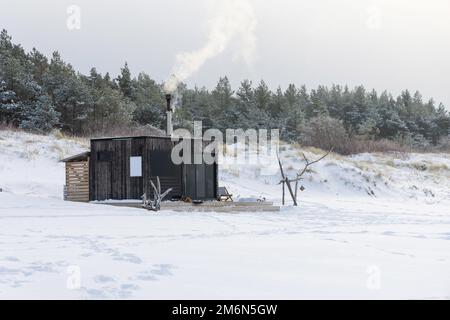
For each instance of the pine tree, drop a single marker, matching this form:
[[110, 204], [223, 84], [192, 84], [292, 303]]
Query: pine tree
[[336, 102], [69, 94], [277, 104], [318, 105], [245, 104], [149, 100], [440, 127], [248, 113], [197, 105], [368, 127], [223, 104], [291, 116], [389, 123], [8, 106], [40, 116], [40, 65], [5, 42], [125, 82], [262, 96], [356, 110]]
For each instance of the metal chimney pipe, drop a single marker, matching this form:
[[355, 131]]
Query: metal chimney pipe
[[168, 100], [169, 128]]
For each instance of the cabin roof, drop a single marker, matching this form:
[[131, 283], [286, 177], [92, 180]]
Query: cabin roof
[[78, 157], [131, 137], [84, 155], [139, 137]]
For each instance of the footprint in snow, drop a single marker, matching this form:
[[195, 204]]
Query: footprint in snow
[[145, 276], [335, 240], [128, 257], [103, 279], [129, 286], [162, 269], [11, 259], [152, 275], [42, 267], [7, 271], [124, 291], [403, 254]]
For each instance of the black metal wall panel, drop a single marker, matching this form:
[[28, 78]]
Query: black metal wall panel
[[189, 181], [200, 182], [210, 182]]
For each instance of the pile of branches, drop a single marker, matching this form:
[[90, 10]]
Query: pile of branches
[[155, 204]]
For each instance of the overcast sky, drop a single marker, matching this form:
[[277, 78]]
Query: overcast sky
[[388, 44]]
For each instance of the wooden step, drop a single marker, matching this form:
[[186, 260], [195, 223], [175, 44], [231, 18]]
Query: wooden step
[[207, 206], [230, 209], [215, 204]]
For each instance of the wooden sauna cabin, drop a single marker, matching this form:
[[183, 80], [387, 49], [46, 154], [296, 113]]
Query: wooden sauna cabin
[[121, 168]]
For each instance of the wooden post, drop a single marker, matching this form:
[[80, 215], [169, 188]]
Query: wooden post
[[286, 180], [283, 193], [290, 191]]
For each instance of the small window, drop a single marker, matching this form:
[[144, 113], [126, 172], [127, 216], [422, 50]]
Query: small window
[[104, 156], [135, 166]]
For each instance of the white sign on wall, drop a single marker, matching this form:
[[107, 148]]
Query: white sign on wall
[[135, 166]]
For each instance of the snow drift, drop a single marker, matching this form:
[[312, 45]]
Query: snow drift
[[369, 226]]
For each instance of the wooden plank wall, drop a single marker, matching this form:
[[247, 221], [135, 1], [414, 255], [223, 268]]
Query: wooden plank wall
[[77, 181], [111, 179], [100, 173]]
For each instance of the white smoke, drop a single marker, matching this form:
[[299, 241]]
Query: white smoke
[[234, 19]]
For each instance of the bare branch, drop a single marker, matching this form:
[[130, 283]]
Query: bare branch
[[286, 181], [308, 164]]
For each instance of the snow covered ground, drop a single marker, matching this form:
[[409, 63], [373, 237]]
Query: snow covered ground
[[368, 226]]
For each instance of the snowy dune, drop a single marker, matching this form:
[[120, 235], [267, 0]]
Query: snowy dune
[[368, 226], [29, 163]]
